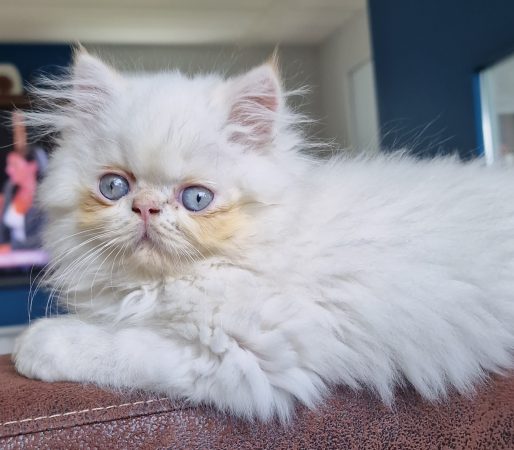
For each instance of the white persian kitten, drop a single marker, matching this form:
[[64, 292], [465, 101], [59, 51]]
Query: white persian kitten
[[201, 256]]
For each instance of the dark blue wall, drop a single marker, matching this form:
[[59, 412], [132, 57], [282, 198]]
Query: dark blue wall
[[14, 305], [426, 56], [31, 61]]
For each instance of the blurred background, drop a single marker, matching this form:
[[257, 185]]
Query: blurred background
[[432, 77]]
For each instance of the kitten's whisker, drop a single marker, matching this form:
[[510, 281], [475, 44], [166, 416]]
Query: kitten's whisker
[[115, 258], [99, 267], [79, 233], [191, 247], [89, 261], [124, 254], [104, 247], [60, 279], [48, 275], [47, 269]]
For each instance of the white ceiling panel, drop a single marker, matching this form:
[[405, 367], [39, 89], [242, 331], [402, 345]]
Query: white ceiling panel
[[174, 21]]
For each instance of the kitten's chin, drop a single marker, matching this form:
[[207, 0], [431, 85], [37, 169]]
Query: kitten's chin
[[148, 259]]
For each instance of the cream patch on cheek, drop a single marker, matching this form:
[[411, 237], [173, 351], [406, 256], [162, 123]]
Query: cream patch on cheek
[[91, 211], [215, 229]]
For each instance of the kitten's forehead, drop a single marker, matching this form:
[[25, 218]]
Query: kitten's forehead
[[170, 125]]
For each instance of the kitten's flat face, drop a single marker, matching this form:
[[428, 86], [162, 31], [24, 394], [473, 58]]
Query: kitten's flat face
[[160, 223], [165, 172]]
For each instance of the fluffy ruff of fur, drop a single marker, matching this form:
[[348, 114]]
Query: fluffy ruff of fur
[[300, 276]]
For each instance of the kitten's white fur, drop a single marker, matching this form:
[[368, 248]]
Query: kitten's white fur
[[364, 272]]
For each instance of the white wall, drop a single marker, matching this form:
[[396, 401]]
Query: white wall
[[299, 64], [7, 337], [330, 71], [342, 55]]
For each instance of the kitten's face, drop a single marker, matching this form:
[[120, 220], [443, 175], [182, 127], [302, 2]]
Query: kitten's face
[[159, 217], [164, 169]]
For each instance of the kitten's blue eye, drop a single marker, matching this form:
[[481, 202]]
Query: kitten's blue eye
[[114, 186], [196, 198]]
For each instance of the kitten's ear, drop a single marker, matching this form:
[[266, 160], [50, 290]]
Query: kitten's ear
[[93, 81], [255, 101]]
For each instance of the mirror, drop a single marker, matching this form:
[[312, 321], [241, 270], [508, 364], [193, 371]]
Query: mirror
[[497, 105]]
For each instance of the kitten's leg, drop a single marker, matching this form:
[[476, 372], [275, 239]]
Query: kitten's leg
[[66, 348]]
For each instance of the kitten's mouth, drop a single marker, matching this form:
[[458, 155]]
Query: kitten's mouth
[[145, 239]]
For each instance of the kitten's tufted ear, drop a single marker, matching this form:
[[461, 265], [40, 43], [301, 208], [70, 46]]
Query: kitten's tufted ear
[[255, 101], [93, 81]]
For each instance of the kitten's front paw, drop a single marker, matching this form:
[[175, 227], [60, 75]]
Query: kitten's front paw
[[42, 351]]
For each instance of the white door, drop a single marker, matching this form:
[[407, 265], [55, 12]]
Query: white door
[[364, 118]]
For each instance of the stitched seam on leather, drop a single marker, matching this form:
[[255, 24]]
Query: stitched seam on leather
[[83, 411]]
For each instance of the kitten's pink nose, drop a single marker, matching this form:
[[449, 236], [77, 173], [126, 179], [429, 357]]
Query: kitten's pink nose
[[145, 208]]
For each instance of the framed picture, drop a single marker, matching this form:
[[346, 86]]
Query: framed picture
[[22, 166]]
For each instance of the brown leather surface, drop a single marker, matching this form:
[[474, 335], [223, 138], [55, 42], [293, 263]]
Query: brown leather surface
[[66, 415]]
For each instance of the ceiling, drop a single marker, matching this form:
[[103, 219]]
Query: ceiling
[[174, 21]]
